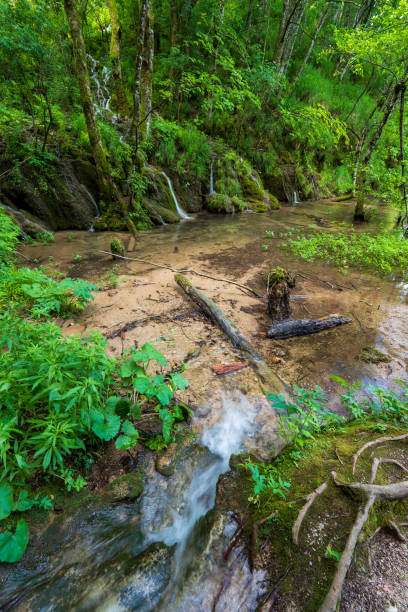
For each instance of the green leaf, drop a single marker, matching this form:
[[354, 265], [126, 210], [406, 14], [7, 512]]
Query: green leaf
[[178, 381], [148, 352], [105, 426], [6, 500], [164, 394], [23, 503], [167, 420], [13, 546]]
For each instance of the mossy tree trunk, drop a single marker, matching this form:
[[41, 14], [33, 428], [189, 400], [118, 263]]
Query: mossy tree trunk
[[147, 74], [102, 167], [137, 80], [114, 52], [174, 18]]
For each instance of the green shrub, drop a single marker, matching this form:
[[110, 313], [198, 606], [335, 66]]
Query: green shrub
[[219, 203], [9, 232], [40, 294]]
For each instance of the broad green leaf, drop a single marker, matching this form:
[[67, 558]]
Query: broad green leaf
[[6, 500], [148, 352], [167, 420], [13, 545], [178, 381], [105, 425]]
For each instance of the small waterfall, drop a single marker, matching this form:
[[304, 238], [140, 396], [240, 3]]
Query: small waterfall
[[180, 211], [20, 217], [103, 95], [212, 191], [295, 200], [222, 440], [95, 205]]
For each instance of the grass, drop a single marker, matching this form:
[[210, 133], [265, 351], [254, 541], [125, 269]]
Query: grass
[[386, 254]]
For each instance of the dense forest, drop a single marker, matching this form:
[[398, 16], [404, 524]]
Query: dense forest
[[300, 98], [203, 294]]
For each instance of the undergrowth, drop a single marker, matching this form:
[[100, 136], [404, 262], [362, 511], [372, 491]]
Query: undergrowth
[[61, 397], [383, 253]]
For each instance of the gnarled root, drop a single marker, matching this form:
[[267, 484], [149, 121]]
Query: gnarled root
[[310, 499], [374, 443], [372, 492]]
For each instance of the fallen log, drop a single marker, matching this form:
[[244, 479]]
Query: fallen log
[[269, 377], [304, 327]]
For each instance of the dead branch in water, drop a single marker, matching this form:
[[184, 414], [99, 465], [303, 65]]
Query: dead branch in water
[[190, 271], [303, 327], [211, 310]]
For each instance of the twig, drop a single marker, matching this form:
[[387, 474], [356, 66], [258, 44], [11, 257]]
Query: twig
[[310, 499], [273, 589], [255, 527], [188, 270], [338, 456]]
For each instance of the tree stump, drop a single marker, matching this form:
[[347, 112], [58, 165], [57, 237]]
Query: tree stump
[[279, 283]]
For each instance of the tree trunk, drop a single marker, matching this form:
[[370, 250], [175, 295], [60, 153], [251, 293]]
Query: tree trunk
[[147, 74], [114, 52], [135, 129], [402, 156], [81, 69], [319, 26], [303, 327], [291, 18], [216, 40], [389, 107]]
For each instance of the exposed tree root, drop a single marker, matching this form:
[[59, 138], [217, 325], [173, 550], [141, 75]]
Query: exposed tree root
[[334, 595], [372, 492], [255, 528], [377, 462], [310, 499], [374, 443]]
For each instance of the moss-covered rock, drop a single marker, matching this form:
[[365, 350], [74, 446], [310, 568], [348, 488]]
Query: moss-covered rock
[[219, 203], [128, 486], [110, 222], [370, 354], [116, 247], [252, 191], [273, 202], [259, 207], [238, 204]]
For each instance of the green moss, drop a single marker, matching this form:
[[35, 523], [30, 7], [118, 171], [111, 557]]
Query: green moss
[[273, 202], [370, 354], [111, 222], [116, 247], [276, 276], [128, 486], [219, 203], [329, 520], [259, 207], [238, 203], [252, 191]]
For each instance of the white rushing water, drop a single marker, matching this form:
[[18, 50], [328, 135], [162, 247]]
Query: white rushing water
[[212, 191], [95, 205], [223, 439], [180, 211], [295, 200], [101, 81]]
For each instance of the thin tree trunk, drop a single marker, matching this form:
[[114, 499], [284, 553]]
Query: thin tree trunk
[[290, 33], [138, 71], [319, 26], [81, 69], [147, 74], [389, 107], [216, 40], [114, 52], [402, 155], [266, 8]]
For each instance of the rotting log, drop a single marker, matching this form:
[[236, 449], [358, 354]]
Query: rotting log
[[271, 380], [304, 327]]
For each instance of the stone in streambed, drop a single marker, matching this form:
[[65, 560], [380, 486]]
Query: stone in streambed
[[370, 354], [128, 486]]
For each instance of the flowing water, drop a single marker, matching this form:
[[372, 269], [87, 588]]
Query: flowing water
[[100, 78], [212, 191], [166, 551], [180, 211]]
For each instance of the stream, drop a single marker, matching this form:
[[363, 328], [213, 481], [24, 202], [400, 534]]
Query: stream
[[165, 551]]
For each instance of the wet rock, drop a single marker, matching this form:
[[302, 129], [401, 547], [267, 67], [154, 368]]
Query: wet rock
[[370, 354], [168, 460], [128, 486]]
